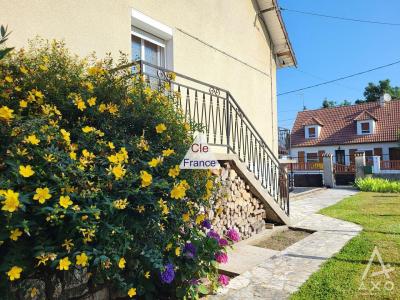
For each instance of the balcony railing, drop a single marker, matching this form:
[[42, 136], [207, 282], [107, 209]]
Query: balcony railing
[[307, 166], [224, 123], [390, 165]]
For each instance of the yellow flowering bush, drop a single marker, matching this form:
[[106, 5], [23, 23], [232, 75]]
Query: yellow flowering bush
[[90, 178]]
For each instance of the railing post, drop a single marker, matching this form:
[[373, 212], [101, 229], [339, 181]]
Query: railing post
[[228, 122]]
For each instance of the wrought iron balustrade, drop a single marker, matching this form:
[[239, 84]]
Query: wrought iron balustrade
[[225, 125]]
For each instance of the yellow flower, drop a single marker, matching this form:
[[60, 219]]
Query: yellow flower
[[91, 101], [64, 264], [178, 251], [140, 208], [200, 218], [82, 259], [143, 144], [42, 194], [49, 158], [68, 245], [80, 104], [120, 204], [95, 71], [11, 202], [146, 178], [179, 190], [111, 145], [43, 67], [14, 273], [89, 86], [209, 184], [18, 89], [147, 275], [72, 155], [22, 151], [186, 126], [65, 201], [34, 292], [32, 139], [163, 206], [88, 129], [23, 104], [186, 217], [168, 152], [168, 247], [132, 292], [8, 79], [23, 70], [112, 108], [6, 114], [66, 135], [102, 107], [15, 234], [160, 128], [173, 172], [118, 171], [26, 171], [155, 162], [121, 263]]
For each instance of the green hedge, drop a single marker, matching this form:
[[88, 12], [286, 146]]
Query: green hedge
[[378, 185], [89, 178]]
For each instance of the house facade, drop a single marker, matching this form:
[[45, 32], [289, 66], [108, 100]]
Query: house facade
[[225, 55], [235, 45], [342, 131]]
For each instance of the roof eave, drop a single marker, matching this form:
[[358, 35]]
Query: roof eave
[[276, 28]]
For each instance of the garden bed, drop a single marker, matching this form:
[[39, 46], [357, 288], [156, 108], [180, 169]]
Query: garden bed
[[283, 239]]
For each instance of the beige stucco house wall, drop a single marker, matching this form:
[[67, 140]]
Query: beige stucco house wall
[[222, 42]]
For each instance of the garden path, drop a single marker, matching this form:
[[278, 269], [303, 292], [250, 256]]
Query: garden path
[[282, 274]]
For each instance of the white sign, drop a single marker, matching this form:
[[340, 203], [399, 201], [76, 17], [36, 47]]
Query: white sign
[[199, 155]]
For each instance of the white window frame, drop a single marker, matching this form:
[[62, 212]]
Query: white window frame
[[144, 36], [307, 132], [154, 32], [371, 127]]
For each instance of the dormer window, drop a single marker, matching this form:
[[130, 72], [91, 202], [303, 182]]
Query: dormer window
[[365, 128], [312, 133], [365, 123]]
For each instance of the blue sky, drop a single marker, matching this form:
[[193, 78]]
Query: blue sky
[[327, 49]]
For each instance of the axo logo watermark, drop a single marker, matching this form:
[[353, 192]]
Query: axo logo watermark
[[377, 281]]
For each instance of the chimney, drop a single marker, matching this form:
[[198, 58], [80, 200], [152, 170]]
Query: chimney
[[384, 98]]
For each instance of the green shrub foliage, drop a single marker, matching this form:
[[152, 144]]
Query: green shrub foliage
[[89, 178], [378, 185]]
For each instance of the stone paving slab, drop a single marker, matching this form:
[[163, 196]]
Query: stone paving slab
[[284, 273], [245, 257]]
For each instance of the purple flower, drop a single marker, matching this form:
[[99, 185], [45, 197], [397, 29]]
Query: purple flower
[[213, 234], [189, 250], [223, 279], [223, 242], [169, 274], [221, 257], [206, 224], [233, 235]]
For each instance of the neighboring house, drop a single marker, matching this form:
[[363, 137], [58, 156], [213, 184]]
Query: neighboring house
[[234, 45], [370, 127]]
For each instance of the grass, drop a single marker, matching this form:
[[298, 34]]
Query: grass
[[340, 277]]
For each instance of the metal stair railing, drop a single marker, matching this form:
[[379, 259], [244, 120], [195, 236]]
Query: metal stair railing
[[225, 125]]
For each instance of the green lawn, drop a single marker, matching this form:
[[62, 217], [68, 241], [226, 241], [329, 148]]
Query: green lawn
[[340, 277]]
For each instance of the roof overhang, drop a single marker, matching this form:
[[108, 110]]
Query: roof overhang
[[271, 15]]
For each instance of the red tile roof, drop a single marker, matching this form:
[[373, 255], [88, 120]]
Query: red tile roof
[[313, 121], [340, 125], [365, 115]]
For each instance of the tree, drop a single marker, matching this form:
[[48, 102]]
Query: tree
[[373, 92], [329, 103]]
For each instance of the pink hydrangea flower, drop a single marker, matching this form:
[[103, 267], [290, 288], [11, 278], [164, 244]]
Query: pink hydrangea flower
[[223, 279], [233, 235], [221, 257]]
